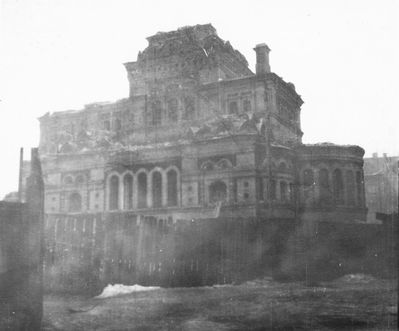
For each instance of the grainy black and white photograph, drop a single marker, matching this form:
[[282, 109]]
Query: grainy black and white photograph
[[199, 165]]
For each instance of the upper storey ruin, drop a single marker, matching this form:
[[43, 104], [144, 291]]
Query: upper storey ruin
[[189, 53], [186, 84]]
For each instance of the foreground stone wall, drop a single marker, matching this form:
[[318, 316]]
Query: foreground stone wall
[[85, 252], [88, 251]]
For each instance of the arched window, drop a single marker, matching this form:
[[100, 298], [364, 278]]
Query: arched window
[[308, 178], [308, 184], [217, 192], [233, 107], [157, 189], [359, 188], [80, 179], [324, 187], [128, 191], [283, 191], [156, 111], [172, 110], [246, 105], [189, 109], [114, 193], [338, 186], [142, 190], [75, 202], [172, 187], [350, 187]]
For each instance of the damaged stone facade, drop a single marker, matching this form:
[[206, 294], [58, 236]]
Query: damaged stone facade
[[381, 182], [199, 129]]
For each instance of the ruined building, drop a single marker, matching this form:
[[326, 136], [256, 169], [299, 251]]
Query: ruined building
[[381, 183], [199, 129]]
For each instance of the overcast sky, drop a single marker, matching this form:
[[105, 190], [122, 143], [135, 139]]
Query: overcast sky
[[342, 57]]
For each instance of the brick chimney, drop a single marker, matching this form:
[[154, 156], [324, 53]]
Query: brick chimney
[[262, 59]]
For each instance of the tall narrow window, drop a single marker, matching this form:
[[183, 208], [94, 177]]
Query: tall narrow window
[[172, 188], [189, 109], [246, 105], [272, 190], [75, 202], [308, 178], [283, 191], [350, 187], [156, 113], [117, 124], [113, 192], [338, 186], [172, 110], [128, 191], [157, 189], [261, 189], [142, 190], [107, 125], [233, 107], [324, 187], [292, 193], [308, 183]]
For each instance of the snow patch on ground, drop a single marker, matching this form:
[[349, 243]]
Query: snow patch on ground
[[356, 278], [119, 289]]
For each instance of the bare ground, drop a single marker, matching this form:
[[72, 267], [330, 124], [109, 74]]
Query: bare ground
[[345, 304]]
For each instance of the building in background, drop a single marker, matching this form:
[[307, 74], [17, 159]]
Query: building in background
[[381, 182], [198, 129]]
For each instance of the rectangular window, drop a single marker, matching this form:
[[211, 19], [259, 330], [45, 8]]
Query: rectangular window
[[272, 191], [233, 107], [246, 105], [260, 189], [189, 109]]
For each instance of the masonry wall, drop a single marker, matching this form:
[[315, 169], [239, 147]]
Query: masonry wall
[[88, 251], [21, 256], [20, 268]]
